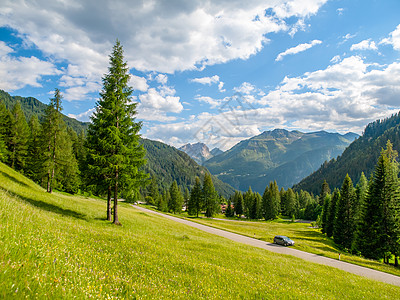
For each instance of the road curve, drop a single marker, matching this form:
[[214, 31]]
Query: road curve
[[351, 268]]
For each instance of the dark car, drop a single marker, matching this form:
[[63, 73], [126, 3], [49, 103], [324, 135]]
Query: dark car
[[283, 240]]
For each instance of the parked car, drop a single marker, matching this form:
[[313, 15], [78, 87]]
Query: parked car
[[283, 240]]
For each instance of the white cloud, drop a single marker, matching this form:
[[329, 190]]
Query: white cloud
[[155, 106], [335, 59], [83, 117], [245, 88], [393, 39], [221, 87], [206, 80], [161, 78], [364, 45], [138, 83], [297, 49], [18, 72], [158, 36]]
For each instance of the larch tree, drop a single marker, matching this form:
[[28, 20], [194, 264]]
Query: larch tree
[[271, 201], [238, 203], [176, 198], [117, 153], [330, 218], [34, 156]]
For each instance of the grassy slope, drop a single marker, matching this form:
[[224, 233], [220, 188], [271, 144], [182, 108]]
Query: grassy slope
[[54, 246], [306, 239]]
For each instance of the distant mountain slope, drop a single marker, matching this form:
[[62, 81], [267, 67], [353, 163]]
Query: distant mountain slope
[[169, 164], [31, 106], [281, 155], [200, 152], [361, 156]]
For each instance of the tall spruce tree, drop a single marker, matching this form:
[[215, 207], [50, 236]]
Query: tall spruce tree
[[330, 218], [325, 213], [5, 128], [52, 127], [210, 196], [379, 231], [34, 157], [271, 201], [344, 227], [238, 203], [116, 152], [196, 198], [176, 198]]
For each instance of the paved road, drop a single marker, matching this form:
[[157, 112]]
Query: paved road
[[355, 269]]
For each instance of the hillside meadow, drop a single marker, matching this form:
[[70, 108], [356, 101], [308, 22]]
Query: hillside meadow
[[60, 246]]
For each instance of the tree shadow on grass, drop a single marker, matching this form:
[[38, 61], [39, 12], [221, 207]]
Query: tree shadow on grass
[[12, 178], [49, 207]]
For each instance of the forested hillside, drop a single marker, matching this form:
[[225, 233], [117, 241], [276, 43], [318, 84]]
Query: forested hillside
[[169, 164], [31, 106], [279, 155], [360, 156]]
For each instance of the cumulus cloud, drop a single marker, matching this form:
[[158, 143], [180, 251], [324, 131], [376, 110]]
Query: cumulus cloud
[[18, 72], [154, 105], [393, 39], [364, 45], [83, 117], [206, 80], [138, 83], [297, 49]]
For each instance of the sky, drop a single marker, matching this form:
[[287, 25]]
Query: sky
[[215, 72]]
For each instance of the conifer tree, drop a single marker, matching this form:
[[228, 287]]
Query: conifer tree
[[344, 227], [238, 203], [5, 128], [116, 153], [248, 198], [186, 197], [34, 168], [229, 212], [330, 218], [325, 190], [210, 196], [379, 231], [153, 189], [271, 201], [196, 199], [18, 142], [50, 137], [325, 213], [176, 198], [256, 212]]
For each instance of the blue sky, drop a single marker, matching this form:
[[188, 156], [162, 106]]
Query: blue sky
[[212, 71]]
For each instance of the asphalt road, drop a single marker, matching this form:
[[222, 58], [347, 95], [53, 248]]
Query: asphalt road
[[351, 268]]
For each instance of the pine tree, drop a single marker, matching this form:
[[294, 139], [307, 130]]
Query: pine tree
[[210, 196], [248, 198], [344, 227], [256, 212], [196, 199], [176, 198], [290, 205], [153, 190], [325, 190], [116, 153], [5, 129], [18, 142], [229, 212], [51, 135], [271, 201]]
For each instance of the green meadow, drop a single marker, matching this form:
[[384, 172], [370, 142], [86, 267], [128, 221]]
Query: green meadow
[[56, 246], [306, 239]]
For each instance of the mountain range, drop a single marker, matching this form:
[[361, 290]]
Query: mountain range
[[165, 162], [200, 152], [281, 155], [361, 156]]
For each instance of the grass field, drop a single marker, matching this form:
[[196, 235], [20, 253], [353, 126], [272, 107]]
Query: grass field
[[59, 246]]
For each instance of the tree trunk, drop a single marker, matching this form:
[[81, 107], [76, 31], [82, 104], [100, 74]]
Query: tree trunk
[[396, 261], [48, 181], [109, 204], [116, 222]]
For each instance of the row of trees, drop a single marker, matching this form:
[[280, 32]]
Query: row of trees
[[273, 203], [110, 158], [366, 219]]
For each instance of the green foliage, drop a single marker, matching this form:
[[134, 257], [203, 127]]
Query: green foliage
[[271, 201], [18, 141], [344, 226], [196, 199], [325, 213], [229, 211], [360, 156], [34, 157], [210, 196], [277, 155], [238, 203], [378, 231], [115, 132], [176, 198], [289, 203]]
